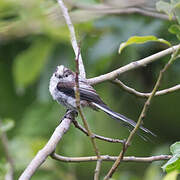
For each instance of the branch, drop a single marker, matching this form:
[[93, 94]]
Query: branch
[[77, 125], [133, 65], [98, 168], [73, 36], [142, 115], [104, 8], [78, 105], [4, 139], [110, 158], [145, 95], [134, 10], [50, 147]]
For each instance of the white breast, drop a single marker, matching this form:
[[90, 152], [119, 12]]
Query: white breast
[[60, 97]]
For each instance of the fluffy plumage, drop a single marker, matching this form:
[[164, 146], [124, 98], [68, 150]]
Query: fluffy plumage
[[62, 89]]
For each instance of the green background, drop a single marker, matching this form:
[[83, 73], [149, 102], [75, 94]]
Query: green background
[[34, 40]]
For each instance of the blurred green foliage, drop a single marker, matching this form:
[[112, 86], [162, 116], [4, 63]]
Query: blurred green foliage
[[171, 8], [174, 163], [34, 40], [172, 175]]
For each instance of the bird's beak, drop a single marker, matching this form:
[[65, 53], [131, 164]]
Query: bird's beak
[[57, 75]]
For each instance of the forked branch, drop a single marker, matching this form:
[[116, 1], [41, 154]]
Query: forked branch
[[133, 65], [90, 134], [50, 147], [145, 95], [142, 115], [77, 125]]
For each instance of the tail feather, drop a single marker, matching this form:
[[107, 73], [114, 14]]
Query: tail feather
[[118, 116]]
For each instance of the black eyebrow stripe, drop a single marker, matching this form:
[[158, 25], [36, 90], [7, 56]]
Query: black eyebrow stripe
[[68, 71]]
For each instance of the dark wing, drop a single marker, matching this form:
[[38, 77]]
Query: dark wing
[[86, 92], [89, 94], [66, 88]]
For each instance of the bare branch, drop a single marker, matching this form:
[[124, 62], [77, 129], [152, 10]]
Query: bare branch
[[77, 95], [145, 95], [133, 65], [134, 10], [90, 134], [49, 147], [73, 36], [105, 9], [4, 139], [110, 158], [77, 125], [142, 115], [98, 168]]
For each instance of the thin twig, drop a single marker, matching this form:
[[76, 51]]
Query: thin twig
[[133, 65], [77, 125], [50, 147], [110, 158], [4, 139], [77, 95], [145, 95], [73, 36], [142, 115], [134, 10], [98, 168], [105, 9]]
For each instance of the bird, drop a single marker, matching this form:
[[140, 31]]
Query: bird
[[62, 87]]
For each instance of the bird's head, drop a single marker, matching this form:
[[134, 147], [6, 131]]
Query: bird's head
[[63, 74]]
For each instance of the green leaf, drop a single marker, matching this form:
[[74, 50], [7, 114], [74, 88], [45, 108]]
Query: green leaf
[[175, 148], [28, 65], [171, 176], [170, 9], [7, 124], [174, 162], [165, 7], [175, 29], [141, 40]]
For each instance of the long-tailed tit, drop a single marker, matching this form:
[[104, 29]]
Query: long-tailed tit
[[62, 88]]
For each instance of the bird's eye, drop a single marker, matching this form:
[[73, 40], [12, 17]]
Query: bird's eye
[[66, 75]]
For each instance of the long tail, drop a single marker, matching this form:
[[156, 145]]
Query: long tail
[[126, 121]]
